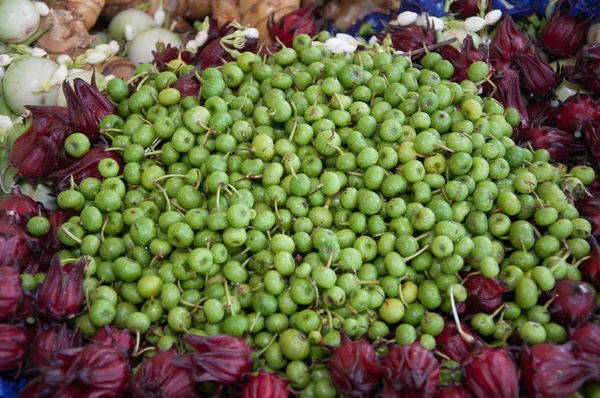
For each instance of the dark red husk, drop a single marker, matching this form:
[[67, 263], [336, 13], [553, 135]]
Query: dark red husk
[[589, 208], [18, 208], [13, 346], [170, 53], [11, 292], [265, 384], [15, 245], [573, 302], [87, 107], [541, 112], [50, 240], [564, 34], [572, 113], [587, 335], [214, 54], [485, 294], [453, 392], [60, 296], [35, 153], [83, 168], [452, 344], [301, 20], [538, 79], [188, 85], [510, 96], [549, 370], [464, 8], [490, 372], [158, 377], [586, 72], [410, 371], [110, 335], [590, 268], [591, 132], [223, 358], [560, 144], [507, 41], [406, 38], [354, 368], [37, 388], [51, 339], [503, 74], [461, 60]]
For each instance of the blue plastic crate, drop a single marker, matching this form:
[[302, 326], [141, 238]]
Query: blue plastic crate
[[9, 388]]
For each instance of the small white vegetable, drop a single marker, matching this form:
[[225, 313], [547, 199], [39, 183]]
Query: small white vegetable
[[95, 57], [5, 60], [19, 19], [42, 8], [23, 77], [137, 20], [426, 20], [474, 24], [60, 74], [2, 72], [201, 38], [159, 17], [492, 17], [129, 33], [459, 34], [38, 52], [103, 48], [348, 39], [114, 46], [191, 46], [337, 45], [63, 59], [406, 18], [373, 40], [251, 33], [5, 123], [142, 45], [593, 33], [109, 78]]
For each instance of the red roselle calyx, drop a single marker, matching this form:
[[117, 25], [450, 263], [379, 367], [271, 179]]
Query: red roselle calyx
[[507, 41], [586, 72], [461, 60], [587, 335], [464, 8], [15, 245], [541, 112], [591, 132], [294, 23], [559, 143], [490, 372], [406, 38], [564, 34], [354, 368], [13, 346], [573, 302], [35, 154], [549, 370], [410, 371], [188, 85], [589, 208], [453, 392], [170, 53], [538, 79], [18, 208], [11, 292], [49, 340], [87, 107], [110, 335], [510, 96], [265, 384], [158, 377], [590, 269], [572, 114], [485, 294], [452, 344], [223, 358], [61, 294], [83, 168]]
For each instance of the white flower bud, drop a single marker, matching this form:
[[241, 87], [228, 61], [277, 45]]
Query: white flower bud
[[114, 46], [201, 38], [2, 70], [129, 32], [373, 40], [103, 48], [108, 78], [406, 18], [492, 17], [60, 74], [63, 59], [337, 45], [348, 39], [251, 33], [474, 24], [159, 17], [42, 8], [95, 57], [191, 46], [5, 122], [5, 60], [38, 52], [436, 23]]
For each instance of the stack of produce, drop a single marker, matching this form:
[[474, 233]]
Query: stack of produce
[[407, 212]]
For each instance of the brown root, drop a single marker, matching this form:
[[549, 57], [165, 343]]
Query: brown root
[[257, 13], [189, 9], [226, 11], [119, 67], [89, 10], [67, 34]]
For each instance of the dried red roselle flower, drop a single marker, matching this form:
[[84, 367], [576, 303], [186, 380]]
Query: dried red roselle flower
[[11, 292], [464, 8], [406, 38], [158, 377], [35, 154], [454, 392], [590, 268], [452, 344], [110, 335], [510, 96], [170, 53], [485, 294], [223, 358], [51, 339], [538, 79], [587, 335], [541, 112], [60, 296], [15, 245], [591, 132], [490, 372], [302, 20], [572, 114], [87, 107], [461, 60], [83, 168], [586, 71], [589, 208], [50, 240], [354, 368], [188, 85], [574, 301], [410, 371], [507, 41], [553, 371], [37, 388], [14, 341], [18, 208], [265, 384], [560, 144], [564, 34]]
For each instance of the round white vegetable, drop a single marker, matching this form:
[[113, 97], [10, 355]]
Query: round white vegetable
[[138, 21], [19, 19], [86, 76], [23, 77], [142, 45]]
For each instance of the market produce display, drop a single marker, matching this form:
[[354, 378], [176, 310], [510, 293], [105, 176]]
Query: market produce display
[[273, 199]]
